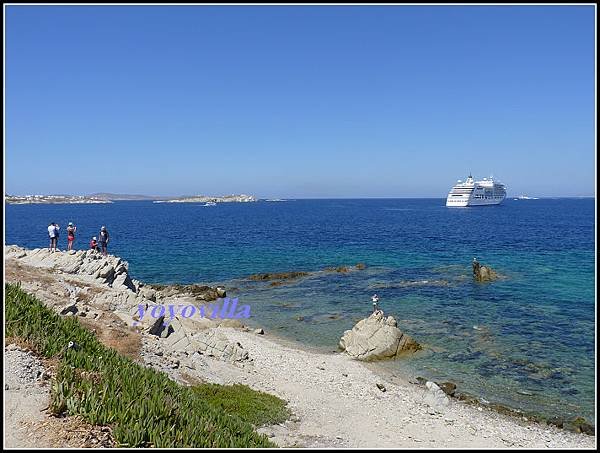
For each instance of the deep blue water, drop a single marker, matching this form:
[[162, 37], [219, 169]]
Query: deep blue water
[[526, 341]]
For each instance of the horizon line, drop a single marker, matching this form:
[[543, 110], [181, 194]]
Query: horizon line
[[153, 197]]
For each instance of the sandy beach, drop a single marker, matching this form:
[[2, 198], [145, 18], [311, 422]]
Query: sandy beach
[[335, 401]]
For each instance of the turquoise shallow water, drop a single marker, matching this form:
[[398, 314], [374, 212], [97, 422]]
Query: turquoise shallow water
[[526, 341]]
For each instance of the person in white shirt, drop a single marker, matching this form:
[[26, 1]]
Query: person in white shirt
[[375, 300], [53, 234]]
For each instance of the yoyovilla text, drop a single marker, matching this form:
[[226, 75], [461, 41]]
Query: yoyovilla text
[[229, 309]]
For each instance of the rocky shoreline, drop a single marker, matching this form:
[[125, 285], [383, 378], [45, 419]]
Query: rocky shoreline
[[330, 394]]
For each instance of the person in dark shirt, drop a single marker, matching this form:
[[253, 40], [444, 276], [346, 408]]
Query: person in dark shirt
[[103, 240]]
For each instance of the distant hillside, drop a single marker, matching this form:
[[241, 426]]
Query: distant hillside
[[125, 197]]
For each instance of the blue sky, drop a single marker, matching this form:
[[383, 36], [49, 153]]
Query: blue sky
[[287, 101]]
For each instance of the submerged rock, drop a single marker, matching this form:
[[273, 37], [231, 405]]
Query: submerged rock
[[556, 421], [341, 269], [278, 276], [377, 338], [199, 292], [449, 388], [580, 425]]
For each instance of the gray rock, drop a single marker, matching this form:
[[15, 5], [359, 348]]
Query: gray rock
[[69, 309], [259, 331], [147, 293], [377, 338], [215, 344], [166, 331], [158, 327], [123, 280], [107, 272], [435, 397]]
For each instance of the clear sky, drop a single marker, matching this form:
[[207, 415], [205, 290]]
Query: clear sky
[[347, 101]]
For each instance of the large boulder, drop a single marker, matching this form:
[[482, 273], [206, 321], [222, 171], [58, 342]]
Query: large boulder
[[377, 338]]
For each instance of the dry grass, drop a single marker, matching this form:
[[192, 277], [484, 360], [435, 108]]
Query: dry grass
[[16, 272], [22, 343], [71, 432], [124, 339]]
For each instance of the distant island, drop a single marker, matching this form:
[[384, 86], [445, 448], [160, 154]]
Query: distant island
[[54, 199], [111, 197], [210, 199]]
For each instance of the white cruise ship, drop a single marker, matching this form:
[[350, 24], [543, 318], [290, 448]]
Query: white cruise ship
[[476, 193]]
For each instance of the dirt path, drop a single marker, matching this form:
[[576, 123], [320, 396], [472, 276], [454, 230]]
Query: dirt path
[[26, 395], [27, 422]]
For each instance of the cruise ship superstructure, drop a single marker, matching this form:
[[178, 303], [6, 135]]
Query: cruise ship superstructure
[[476, 193]]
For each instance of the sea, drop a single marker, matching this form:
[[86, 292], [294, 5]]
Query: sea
[[526, 340]]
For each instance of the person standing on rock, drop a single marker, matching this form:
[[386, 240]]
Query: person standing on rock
[[103, 240], [52, 236], [56, 234], [94, 244], [375, 300], [53, 233], [70, 235]]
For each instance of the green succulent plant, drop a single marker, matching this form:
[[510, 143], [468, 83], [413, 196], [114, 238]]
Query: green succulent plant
[[143, 406]]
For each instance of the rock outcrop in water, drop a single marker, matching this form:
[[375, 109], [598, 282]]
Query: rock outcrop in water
[[198, 292], [278, 276], [377, 338], [483, 273]]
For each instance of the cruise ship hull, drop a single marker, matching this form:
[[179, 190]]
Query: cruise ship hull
[[463, 203]]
